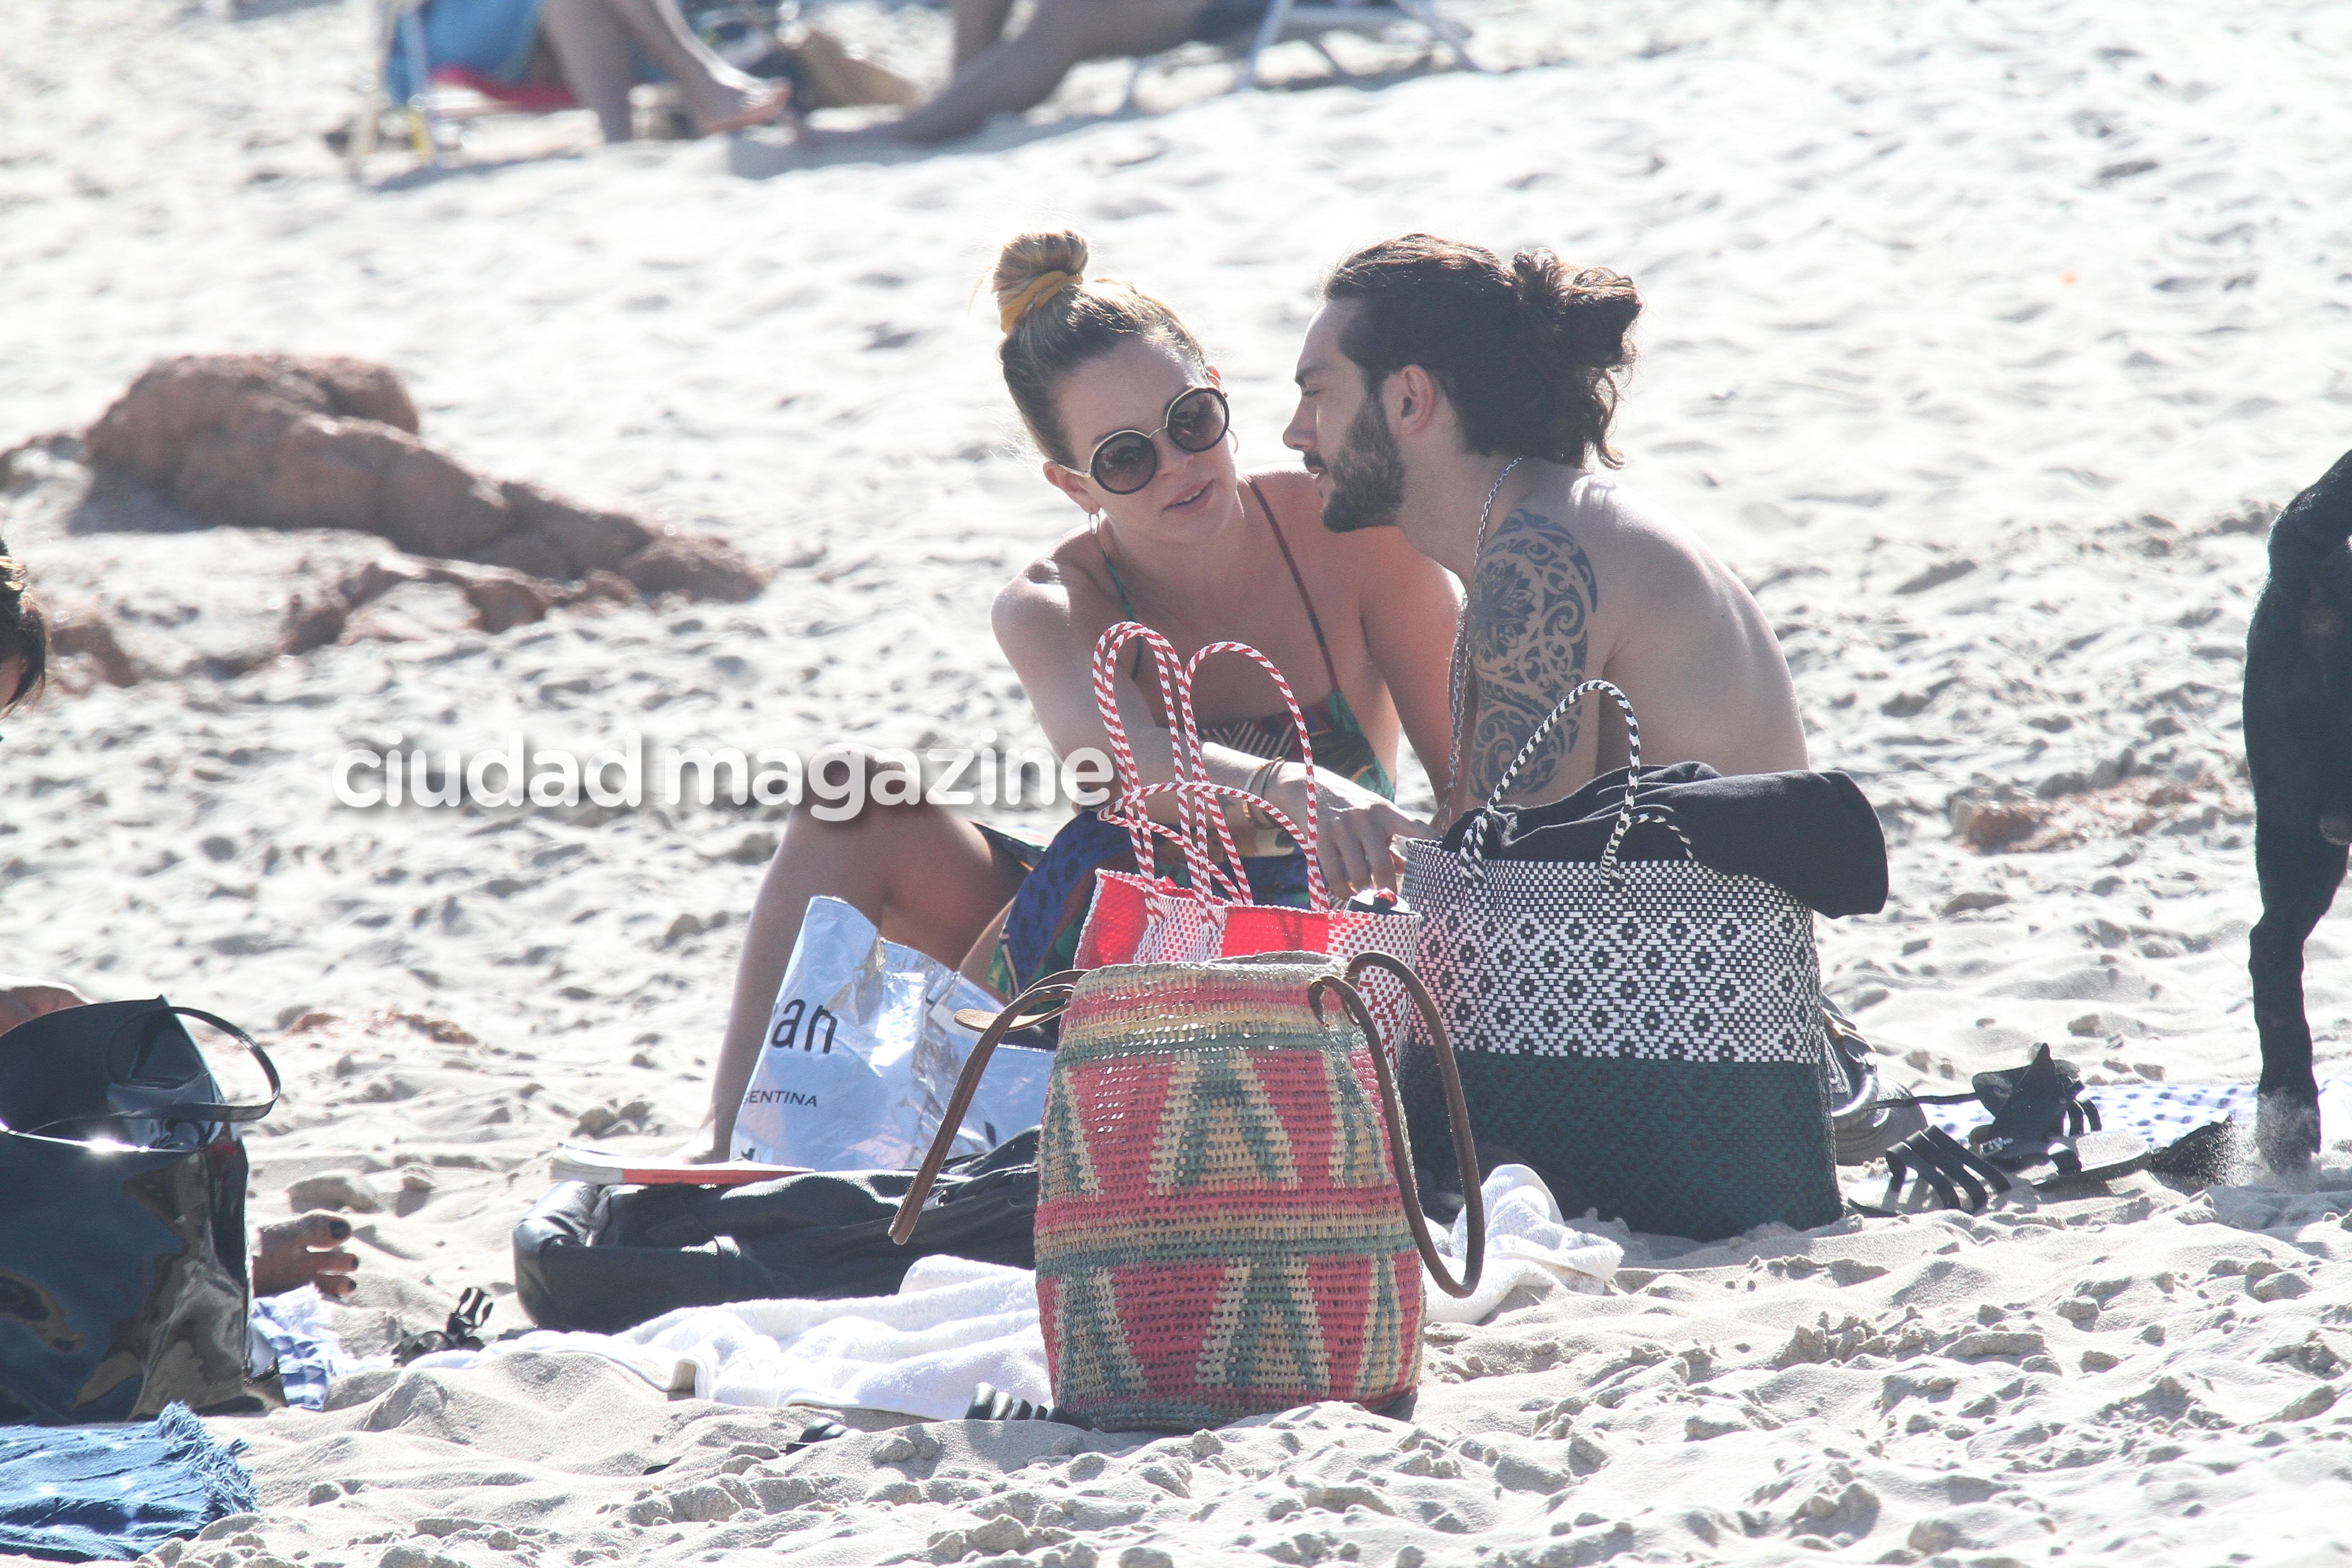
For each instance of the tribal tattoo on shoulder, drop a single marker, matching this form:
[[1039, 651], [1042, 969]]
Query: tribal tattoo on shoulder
[[1530, 624]]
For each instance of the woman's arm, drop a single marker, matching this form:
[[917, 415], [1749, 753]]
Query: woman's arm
[[1040, 635], [1053, 657]]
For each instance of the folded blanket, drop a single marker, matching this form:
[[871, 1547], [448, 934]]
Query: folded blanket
[[289, 1332], [81, 1494], [1814, 835], [2159, 1112], [956, 1323]]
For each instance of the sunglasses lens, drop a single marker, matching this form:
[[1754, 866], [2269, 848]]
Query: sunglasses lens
[[1125, 463], [1197, 422]]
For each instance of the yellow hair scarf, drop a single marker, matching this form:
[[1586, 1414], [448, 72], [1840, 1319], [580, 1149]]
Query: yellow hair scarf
[[1046, 286], [13, 576]]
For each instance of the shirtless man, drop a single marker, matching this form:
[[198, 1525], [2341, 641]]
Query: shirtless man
[[1439, 384]]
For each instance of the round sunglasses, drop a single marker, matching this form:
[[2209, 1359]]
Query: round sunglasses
[[1125, 460]]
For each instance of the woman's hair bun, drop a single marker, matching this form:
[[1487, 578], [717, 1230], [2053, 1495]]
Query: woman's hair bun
[[1584, 313], [1027, 258]]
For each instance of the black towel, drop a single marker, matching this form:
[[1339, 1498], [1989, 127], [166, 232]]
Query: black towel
[[1812, 835]]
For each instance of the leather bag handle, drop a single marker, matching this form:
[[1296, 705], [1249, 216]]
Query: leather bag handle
[[1023, 1011], [1457, 1114], [188, 1110]]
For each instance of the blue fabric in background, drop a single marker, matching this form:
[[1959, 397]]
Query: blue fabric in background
[[493, 36], [80, 1494]]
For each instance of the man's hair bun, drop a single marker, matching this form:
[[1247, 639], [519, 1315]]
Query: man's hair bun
[[1584, 313], [1527, 350]]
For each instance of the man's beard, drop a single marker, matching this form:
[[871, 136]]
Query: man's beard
[[1366, 475]]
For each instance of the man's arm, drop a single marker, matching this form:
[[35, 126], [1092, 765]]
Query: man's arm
[[1409, 614], [1531, 611]]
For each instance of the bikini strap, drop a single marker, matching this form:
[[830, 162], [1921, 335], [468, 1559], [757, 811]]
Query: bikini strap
[[1314, 622], [1118, 585]]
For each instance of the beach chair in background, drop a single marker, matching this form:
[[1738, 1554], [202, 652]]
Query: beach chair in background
[[763, 38], [1312, 21], [444, 96]]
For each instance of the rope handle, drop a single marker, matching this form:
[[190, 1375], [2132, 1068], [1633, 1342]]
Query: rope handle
[[1183, 738], [1055, 991], [1457, 1114], [1311, 844], [1473, 842], [1131, 805]]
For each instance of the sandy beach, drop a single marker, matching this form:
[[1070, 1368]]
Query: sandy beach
[[1982, 340]]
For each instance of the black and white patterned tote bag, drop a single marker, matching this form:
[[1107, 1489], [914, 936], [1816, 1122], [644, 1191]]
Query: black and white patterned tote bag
[[1647, 1034]]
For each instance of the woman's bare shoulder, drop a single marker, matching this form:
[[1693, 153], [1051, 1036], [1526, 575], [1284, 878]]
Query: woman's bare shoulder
[[1298, 506], [1057, 588]]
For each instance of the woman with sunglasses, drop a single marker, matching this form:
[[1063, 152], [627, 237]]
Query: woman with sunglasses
[[1132, 421]]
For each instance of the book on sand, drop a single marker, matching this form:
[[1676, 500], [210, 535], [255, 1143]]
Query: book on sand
[[600, 1169]]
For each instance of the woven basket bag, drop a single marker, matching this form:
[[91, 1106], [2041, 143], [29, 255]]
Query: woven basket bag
[[1226, 1218], [1646, 1033]]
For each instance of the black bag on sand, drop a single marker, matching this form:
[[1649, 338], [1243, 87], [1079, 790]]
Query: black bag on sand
[[123, 1279], [1636, 1008], [608, 1258]]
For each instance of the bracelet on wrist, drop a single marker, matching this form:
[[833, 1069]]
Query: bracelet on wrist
[[1261, 781]]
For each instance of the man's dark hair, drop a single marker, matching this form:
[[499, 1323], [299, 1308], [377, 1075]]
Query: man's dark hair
[[1526, 351]]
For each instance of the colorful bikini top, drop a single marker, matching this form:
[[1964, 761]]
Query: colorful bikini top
[[1340, 744]]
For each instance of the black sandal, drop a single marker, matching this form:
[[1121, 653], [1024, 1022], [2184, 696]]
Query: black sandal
[[463, 1332], [1932, 1157], [2038, 1114]]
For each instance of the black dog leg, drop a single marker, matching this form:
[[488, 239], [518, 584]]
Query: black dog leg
[[2298, 715], [2300, 871]]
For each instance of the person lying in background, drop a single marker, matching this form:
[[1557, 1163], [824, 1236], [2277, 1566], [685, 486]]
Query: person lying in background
[[997, 75], [1132, 420], [286, 1255], [1465, 402], [590, 48]]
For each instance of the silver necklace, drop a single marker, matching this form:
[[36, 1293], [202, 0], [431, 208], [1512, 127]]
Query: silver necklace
[[1460, 662]]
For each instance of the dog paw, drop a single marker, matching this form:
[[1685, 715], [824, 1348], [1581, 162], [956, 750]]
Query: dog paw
[[2286, 1128]]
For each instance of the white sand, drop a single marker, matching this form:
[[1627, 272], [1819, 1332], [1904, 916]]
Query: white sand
[[2052, 290]]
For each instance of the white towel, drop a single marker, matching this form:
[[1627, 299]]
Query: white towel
[[955, 1324], [1527, 1242]]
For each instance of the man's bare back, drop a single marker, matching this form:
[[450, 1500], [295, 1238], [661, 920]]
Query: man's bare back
[[1438, 377], [1584, 579]]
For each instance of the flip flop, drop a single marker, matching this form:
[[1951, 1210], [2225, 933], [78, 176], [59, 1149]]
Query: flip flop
[[2096, 1157]]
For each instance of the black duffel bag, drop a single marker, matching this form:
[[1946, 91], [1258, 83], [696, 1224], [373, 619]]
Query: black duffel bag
[[123, 1281], [607, 1258]]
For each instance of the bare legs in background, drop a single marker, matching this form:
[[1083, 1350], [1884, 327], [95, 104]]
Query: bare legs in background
[[590, 41], [996, 75]]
